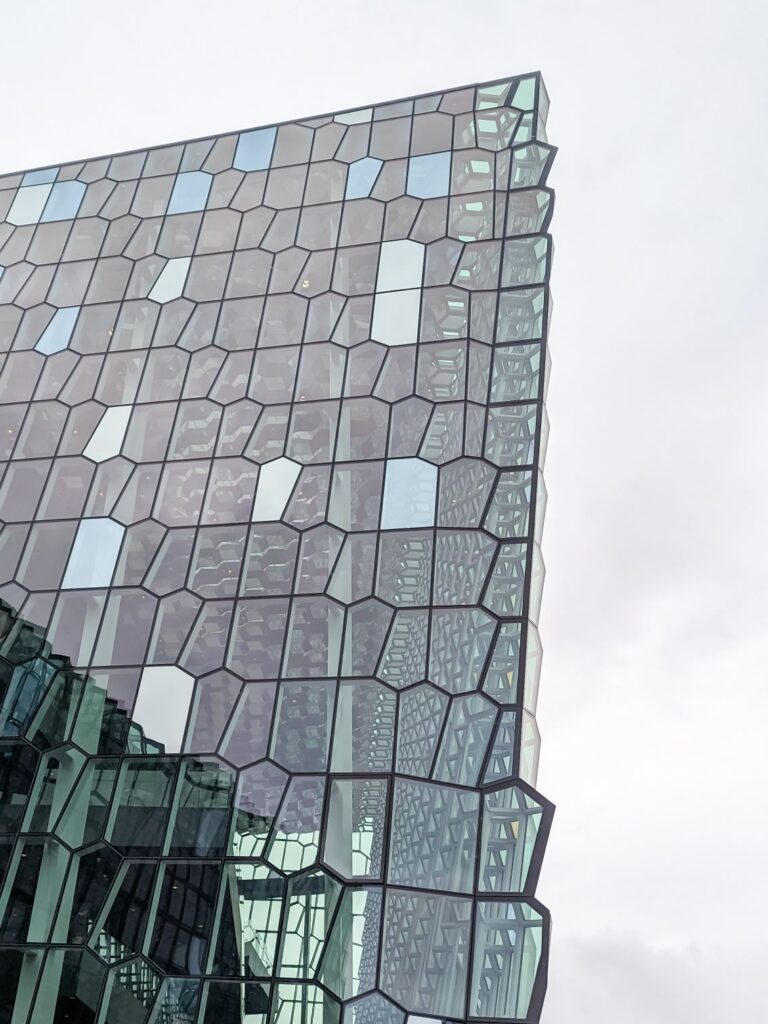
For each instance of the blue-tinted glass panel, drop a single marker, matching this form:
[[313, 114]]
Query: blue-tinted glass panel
[[64, 201], [254, 149], [94, 554], [429, 176], [362, 177], [42, 177], [190, 192]]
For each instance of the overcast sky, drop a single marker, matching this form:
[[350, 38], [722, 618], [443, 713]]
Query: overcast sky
[[654, 691]]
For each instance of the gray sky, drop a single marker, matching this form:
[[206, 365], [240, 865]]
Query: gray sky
[[654, 689]]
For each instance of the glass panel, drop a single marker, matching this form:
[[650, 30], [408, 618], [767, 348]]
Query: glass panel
[[433, 837], [64, 201], [142, 802], [508, 943], [190, 192], [410, 487], [170, 283], [429, 175], [254, 149], [57, 334], [425, 950], [362, 177], [162, 704], [349, 965], [275, 484], [356, 827], [401, 264], [511, 822], [94, 554], [28, 204], [107, 439], [396, 317]]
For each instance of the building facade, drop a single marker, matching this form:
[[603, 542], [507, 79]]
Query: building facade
[[272, 423]]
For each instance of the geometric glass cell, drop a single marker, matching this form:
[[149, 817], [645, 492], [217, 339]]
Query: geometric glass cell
[[58, 332], [429, 175], [28, 204], [254, 149], [190, 192], [275, 484], [361, 177], [163, 699], [64, 201], [511, 825], [94, 553], [107, 439], [400, 265], [409, 494], [508, 947], [170, 283], [396, 317]]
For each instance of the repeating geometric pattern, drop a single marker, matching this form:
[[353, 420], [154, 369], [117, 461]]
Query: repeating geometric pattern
[[271, 437]]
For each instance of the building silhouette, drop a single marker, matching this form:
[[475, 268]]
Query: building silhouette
[[272, 422]]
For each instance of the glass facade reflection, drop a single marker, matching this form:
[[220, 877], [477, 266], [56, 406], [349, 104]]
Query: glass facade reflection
[[271, 430]]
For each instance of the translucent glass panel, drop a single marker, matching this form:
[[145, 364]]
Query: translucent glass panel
[[276, 482], [94, 553], [361, 177], [396, 317], [508, 947], [254, 149], [429, 175], [410, 488], [58, 332], [163, 703], [107, 439], [170, 283], [190, 192]]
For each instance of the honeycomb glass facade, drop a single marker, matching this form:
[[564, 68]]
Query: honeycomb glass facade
[[271, 430]]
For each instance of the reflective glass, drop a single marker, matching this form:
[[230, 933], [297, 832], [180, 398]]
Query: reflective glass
[[94, 553], [429, 175], [254, 149], [57, 334], [361, 177], [190, 192]]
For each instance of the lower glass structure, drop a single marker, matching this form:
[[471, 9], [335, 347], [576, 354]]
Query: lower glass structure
[[271, 429]]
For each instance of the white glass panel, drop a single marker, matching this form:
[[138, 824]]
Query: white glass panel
[[355, 116], [410, 487], [94, 554], [162, 704], [396, 317], [276, 481], [400, 265], [28, 204], [170, 283], [107, 438]]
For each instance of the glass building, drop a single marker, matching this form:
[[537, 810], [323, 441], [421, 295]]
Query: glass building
[[271, 429]]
